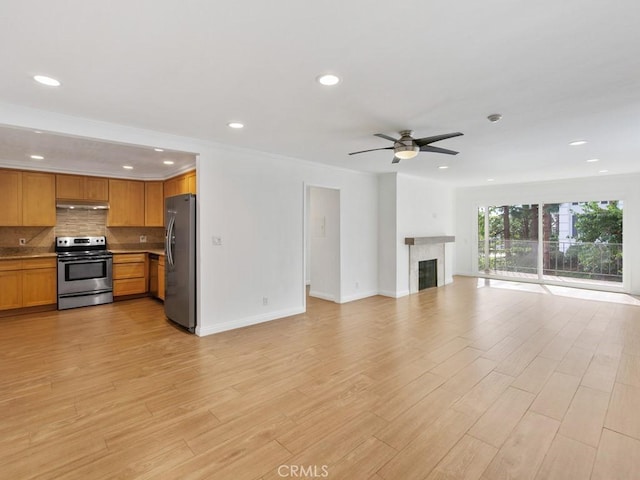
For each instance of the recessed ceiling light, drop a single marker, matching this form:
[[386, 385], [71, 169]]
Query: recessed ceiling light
[[235, 125], [603, 171], [37, 131], [159, 149], [328, 80], [593, 160], [36, 157], [127, 167], [490, 179], [48, 81], [494, 117], [168, 162], [577, 142], [443, 167]]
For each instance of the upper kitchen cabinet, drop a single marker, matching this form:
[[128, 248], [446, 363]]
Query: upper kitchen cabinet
[[78, 187], [38, 199], [11, 194], [154, 204], [185, 183], [126, 203], [191, 182]]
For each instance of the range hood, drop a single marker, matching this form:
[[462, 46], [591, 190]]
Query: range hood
[[81, 204]]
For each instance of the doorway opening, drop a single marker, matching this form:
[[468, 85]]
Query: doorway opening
[[322, 245]]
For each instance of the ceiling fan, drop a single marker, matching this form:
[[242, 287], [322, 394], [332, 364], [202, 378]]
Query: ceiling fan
[[407, 147]]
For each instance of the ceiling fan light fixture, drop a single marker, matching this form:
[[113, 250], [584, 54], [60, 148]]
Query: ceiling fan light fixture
[[405, 152]]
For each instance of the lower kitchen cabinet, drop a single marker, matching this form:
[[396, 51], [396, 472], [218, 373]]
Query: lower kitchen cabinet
[[161, 277], [129, 274], [11, 288], [39, 282], [156, 276], [28, 283]]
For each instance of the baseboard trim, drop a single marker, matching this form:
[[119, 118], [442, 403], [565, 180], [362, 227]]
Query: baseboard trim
[[357, 296], [246, 322], [322, 295], [386, 293]]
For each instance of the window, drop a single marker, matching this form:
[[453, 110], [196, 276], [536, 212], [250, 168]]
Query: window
[[581, 241]]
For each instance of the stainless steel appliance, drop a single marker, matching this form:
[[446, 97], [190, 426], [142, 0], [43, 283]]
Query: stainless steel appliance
[[180, 260], [85, 272]]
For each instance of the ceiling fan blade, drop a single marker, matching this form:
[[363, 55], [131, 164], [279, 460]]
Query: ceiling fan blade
[[436, 138], [386, 137], [395, 160], [429, 148], [372, 150]]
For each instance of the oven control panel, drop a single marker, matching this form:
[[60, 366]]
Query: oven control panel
[[66, 244]]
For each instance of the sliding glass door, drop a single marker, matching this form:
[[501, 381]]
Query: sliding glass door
[[573, 242]]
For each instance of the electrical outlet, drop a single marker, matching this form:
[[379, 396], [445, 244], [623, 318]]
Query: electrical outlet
[[143, 239], [22, 241], [265, 300]]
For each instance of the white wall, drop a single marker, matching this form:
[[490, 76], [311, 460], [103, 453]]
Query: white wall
[[411, 207], [324, 243], [602, 188], [255, 203], [425, 209], [387, 235]]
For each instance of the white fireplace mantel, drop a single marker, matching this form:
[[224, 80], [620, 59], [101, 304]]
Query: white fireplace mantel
[[429, 240], [426, 248]]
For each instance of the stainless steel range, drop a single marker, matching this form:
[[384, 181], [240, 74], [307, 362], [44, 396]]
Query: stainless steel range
[[85, 272]]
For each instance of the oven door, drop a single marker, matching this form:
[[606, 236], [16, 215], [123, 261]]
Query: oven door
[[79, 274]]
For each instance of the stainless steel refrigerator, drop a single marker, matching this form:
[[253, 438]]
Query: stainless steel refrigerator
[[180, 260]]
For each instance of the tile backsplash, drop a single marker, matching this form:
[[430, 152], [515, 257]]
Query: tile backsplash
[[77, 223]]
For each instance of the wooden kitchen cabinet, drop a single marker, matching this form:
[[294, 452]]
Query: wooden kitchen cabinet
[[39, 282], [11, 188], [126, 203], [96, 188], [191, 182], [129, 274], [28, 283], [28, 199], [156, 276], [10, 286], [79, 187], [161, 279], [185, 183], [154, 204], [38, 199]]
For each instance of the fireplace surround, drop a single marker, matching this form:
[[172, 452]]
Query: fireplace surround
[[426, 248]]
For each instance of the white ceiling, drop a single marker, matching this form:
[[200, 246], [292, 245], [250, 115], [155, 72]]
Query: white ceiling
[[557, 70]]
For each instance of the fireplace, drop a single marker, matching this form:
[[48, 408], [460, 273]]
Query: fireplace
[[426, 261], [427, 274]]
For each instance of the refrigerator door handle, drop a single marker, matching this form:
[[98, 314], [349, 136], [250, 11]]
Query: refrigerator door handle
[[170, 240]]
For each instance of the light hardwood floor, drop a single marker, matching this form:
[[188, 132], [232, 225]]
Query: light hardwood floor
[[457, 382]]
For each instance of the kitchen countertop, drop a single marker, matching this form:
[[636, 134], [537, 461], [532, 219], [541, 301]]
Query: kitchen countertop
[[27, 256], [18, 256], [141, 250]]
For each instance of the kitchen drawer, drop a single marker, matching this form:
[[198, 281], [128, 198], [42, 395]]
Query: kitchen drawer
[[128, 270], [6, 265], [129, 286], [129, 257], [30, 263]]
